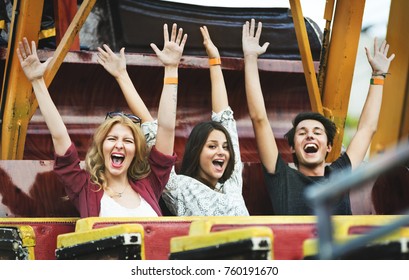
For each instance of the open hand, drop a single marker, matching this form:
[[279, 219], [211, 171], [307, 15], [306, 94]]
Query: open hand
[[379, 61], [211, 49], [29, 60], [114, 64], [251, 38], [173, 47]]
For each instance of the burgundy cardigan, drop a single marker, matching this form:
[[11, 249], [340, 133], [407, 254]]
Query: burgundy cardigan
[[85, 194]]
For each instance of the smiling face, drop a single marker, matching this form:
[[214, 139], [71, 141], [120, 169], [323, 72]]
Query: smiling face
[[310, 144], [214, 157], [118, 150]]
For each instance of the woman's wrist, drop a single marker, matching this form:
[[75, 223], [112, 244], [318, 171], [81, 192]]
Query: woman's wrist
[[379, 74], [251, 56], [37, 80], [214, 61], [122, 75], [171, 71]]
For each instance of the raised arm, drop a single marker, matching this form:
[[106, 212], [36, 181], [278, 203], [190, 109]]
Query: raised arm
[[219, 93], [34, 71], [368, 122], [266, 143], [116, 66], [170, 57]]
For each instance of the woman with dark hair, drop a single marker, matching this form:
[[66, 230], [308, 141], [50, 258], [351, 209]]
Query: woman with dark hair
[[122, 178], [191, 164], [210, 180]]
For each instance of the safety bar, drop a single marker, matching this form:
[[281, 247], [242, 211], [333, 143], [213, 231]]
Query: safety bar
[[321, 196]]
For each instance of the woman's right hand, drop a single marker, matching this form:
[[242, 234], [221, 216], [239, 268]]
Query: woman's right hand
[[30, 62], [173, 46], [250, 39], [114, 64], [211, 49]]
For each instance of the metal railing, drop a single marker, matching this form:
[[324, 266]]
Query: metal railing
[[320, 196]]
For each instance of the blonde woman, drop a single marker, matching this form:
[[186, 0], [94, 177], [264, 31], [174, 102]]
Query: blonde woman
[[121, 178]]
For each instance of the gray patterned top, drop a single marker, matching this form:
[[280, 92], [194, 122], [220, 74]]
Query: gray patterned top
[[186, 196]]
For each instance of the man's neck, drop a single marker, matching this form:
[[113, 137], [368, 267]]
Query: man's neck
[[310, 171]]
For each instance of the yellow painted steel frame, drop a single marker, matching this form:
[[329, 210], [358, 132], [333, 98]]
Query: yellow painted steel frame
[[394, 117], [16, 89], [341, 63], [328, 14], [20, 102], [27, 232], [306, 56], [81, 237], [86, 224], [342, 225], [207, 239]]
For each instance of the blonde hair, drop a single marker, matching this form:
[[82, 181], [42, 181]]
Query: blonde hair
[[94, 160]]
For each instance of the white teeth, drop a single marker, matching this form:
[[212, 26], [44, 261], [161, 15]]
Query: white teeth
[[118, 155], [310, 145], [117, 158], [311, 148]]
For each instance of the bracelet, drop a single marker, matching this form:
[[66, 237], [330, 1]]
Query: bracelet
[[170, 81], [375, 81], [215, 61], [380, 74]]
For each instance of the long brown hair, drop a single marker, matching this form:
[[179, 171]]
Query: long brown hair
[[194, 146], [94, 160]]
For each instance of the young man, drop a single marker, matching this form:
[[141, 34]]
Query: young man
[[312, 134]]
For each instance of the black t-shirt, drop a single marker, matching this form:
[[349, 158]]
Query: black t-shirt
[[286, 188]]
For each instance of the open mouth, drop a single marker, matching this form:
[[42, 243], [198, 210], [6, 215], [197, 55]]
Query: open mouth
[[117, 159], [310, 148], [218, 162]]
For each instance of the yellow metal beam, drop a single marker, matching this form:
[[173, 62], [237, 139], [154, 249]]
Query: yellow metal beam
[[345, 35], [306, 56], [394, 117], [16, 91], [66, 42], [20, 102], [328, 14]]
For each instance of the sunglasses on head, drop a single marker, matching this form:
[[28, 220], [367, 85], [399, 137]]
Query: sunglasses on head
[[133, 118]]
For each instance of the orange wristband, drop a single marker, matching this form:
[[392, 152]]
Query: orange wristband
[[215, 61], [376, 81], [170, 81]]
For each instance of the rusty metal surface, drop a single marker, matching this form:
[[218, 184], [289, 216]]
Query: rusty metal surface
[[84, 93]]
